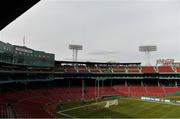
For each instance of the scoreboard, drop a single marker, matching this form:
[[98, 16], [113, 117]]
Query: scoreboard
[[21, 55]]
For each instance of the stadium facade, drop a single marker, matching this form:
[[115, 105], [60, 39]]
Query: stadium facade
[[26, 72], [21, 59], [23, 64]]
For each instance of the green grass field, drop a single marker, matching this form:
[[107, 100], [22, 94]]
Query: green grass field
[[127, 108]]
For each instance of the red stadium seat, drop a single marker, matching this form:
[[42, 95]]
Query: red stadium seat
[[118, 67], [155, 91], [165, 69], [36, 99], [177, 69], [122, 90], [91, 67], [132, 67], [133, 70], [71, 70], [171, 89], [81, 67], [94, 70], [83, 70], [148, 69], [137, 91], [106, 70], [118, 70]]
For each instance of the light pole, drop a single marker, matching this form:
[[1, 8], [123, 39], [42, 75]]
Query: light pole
[[147, 50], [75, 49]]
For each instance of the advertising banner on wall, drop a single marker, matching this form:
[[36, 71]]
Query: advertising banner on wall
[[164, 62]]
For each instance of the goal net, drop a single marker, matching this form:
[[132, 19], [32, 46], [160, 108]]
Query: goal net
[[111, 103]]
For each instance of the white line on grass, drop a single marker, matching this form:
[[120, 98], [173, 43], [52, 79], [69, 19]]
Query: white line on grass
[[81, 106], [67, 116]]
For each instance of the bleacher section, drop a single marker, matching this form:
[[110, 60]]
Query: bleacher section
[[133, 69], [30, 104], [117, 69], [90, 92], [137, 91], [95, 69], [122, 90], [82, 69], [148, 69], [177, 69], [155, 91], [70, 77], [165, 69], [107, 90], [169, 90]]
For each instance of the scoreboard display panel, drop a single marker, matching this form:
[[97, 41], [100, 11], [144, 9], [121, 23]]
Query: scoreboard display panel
[[21, 55]]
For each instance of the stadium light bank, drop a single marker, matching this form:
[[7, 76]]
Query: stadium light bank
[[147, 49], [75, 49]]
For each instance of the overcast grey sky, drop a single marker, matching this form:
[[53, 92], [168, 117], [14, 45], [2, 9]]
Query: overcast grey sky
[[109, 30]]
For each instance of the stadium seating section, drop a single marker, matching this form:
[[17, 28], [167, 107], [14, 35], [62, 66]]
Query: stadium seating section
[[148, 69], [177, 69], [165, 69], [117, 69], [100, 69], [32, 103]]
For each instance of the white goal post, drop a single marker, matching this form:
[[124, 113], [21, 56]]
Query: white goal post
[[111, 103]]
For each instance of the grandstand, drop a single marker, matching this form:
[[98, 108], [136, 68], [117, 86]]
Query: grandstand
[[38, 85]]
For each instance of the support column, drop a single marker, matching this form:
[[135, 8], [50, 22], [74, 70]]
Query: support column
[[129, 91], [69, 83], [176, 83], [125, 83], [76, 53], [95, 93], [147, 55], [98, 88], [142, 84], [0, 89], [158, 83], [73, 54], [111, 82], [25, 84], [102, 87], [83, 89]]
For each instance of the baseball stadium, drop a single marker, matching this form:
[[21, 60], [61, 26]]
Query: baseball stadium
[[33, 84]]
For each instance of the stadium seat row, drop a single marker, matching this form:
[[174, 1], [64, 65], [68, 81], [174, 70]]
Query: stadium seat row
[[29, 104]]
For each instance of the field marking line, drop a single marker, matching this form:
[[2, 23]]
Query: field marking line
[[85, 105], [66, 115], [170, 103], [80, 106], [95, 103]]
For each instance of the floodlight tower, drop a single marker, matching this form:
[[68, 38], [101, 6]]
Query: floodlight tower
[[147, 50], [75, 49]]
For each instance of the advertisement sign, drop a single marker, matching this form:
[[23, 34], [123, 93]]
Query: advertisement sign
[[164, 62]]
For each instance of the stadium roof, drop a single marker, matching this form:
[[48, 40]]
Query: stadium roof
[[11, 9], [71, 62]]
